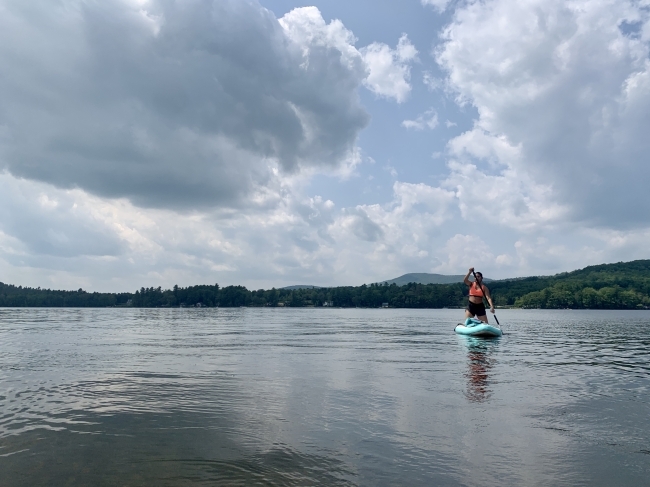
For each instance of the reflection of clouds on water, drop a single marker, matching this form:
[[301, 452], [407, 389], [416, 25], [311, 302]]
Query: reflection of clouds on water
[[164, 450], [479, 362], [319, 397]]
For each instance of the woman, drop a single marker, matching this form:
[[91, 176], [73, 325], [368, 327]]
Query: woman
[[477, 290]]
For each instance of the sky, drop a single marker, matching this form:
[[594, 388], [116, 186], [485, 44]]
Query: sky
[[278, 142]]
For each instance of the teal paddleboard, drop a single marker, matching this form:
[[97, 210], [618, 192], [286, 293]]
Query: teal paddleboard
[[476, 328]]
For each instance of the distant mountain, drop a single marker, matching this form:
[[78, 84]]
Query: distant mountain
[[301, 286], [424, 278]]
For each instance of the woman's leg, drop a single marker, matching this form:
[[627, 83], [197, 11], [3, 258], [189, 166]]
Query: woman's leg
[[483, 318]]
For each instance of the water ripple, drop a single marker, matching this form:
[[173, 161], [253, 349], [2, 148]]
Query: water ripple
[[322, 397]]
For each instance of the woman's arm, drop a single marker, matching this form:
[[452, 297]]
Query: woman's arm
[[486, 291], [466, 280]]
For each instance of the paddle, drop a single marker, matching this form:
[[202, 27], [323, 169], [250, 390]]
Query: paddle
[[481, 288]]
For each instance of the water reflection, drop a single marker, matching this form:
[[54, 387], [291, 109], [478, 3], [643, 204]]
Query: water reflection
[[321, 397], [479, 364]]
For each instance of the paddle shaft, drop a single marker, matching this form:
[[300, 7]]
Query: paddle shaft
[[483, 293]]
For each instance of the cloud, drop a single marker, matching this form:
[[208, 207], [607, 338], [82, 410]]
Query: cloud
[[389, 69], [357, 221], [69, 239], [404, 232], [35, 221], [170, 142], [567, 89], [428, 119], [440, 5], [431, 82], [175, 104], [391, 170], [73, 238], [50, 236], [544, 254], [463, 251], [162, 143], [502, 196], [307, 28]]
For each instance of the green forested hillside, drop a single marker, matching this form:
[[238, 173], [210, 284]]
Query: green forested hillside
[[608, 286], [625, 285]]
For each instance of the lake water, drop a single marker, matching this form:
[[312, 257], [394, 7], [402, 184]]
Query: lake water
[[322, 397]]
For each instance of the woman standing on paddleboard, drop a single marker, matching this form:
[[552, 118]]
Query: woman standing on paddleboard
[[477, 290]]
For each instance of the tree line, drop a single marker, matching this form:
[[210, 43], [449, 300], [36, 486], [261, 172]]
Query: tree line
[[373, 295], [624, 285], [607, 286]]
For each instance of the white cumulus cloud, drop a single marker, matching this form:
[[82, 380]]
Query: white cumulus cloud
[[566, 87], [428, 119], [390, 69], [463, 251], [440, 5], [174, 104]]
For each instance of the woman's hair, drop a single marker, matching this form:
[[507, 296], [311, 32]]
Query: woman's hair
[[479, 274]]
